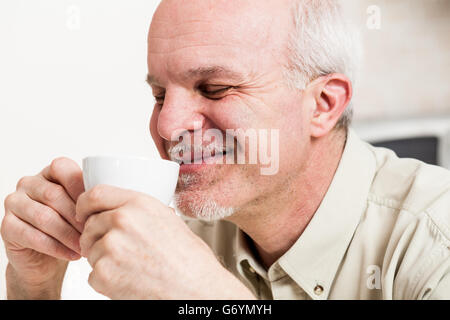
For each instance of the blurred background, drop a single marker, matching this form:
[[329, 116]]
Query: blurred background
[[72, 84]]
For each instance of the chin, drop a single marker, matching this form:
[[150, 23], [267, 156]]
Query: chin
[[200, 207], [213, 194], [201, 196]]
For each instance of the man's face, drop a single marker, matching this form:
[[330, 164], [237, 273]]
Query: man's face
[[218, 64]]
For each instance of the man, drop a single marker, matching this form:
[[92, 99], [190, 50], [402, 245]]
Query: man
[[338, 220]]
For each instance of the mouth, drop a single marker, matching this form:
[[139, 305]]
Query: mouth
[[213, 157], [191, 161]]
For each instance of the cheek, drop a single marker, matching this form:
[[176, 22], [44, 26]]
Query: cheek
[[294, 131], [296, 114], [231, 113]]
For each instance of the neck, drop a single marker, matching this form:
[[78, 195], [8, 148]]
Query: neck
[[289, 211]]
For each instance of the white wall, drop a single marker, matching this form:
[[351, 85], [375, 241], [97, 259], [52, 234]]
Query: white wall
[[71, 92], [406, 63]]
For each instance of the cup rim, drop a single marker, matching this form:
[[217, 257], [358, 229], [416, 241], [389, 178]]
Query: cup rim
[[129, 157]]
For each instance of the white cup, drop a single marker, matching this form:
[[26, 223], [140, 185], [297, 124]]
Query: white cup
[[155, 177]]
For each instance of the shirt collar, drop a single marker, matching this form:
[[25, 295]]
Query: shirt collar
[[243, 252], [315, 258]]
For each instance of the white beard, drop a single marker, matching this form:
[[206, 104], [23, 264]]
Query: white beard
[[204, 209]]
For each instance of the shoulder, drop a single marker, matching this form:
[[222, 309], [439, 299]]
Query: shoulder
[[417, 195], [408, 183]]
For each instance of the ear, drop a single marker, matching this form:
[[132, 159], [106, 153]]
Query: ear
[[332, 95]]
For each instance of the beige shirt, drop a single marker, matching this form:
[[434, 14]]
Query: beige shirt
[[381, 232]]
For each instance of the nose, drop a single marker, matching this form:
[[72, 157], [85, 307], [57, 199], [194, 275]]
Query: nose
[[181, 112]]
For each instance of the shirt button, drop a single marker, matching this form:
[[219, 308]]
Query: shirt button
[[251, 270], [318, 290]]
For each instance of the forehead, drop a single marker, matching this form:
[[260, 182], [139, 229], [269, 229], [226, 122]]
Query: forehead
[[188, 34]]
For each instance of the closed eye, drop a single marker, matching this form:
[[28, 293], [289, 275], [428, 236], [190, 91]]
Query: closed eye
[[214, 92]]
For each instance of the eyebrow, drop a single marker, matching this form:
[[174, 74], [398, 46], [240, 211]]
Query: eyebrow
[[204, 72], [211, 71]]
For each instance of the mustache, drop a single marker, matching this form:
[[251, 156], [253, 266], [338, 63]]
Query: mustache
[[187, 152]]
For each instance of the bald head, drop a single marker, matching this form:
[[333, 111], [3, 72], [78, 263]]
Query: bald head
[[252, 21], [260, 27]]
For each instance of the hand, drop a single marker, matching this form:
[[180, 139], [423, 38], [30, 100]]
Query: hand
[[40, 232], [140, 249]]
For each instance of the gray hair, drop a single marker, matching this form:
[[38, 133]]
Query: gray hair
[[323, 42]]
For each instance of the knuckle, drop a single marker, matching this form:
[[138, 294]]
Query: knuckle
[[6, 226], [95, 283], [119, 220], [109, 242], [57, 166], [91, 280], [53, 193], [91, 221], [10, 201], [96, 193], [23, 182], [42, 217], [101, 270]]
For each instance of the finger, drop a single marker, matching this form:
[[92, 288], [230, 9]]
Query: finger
[[97, 225], [101, 198], [46, 220], [99, 249], [52, 195], [67, 173], [100, 276], [20, 233]]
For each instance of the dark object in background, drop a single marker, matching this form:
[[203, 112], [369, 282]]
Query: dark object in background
[[424, 148]]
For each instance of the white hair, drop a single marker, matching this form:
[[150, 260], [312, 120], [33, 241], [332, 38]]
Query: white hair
[[322, 43], [204, 209], [199, 206]]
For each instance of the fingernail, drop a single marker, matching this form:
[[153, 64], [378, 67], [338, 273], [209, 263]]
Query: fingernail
[[74, 256]]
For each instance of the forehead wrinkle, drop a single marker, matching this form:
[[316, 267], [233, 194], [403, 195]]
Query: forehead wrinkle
[[212, 71], [202, 72]]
